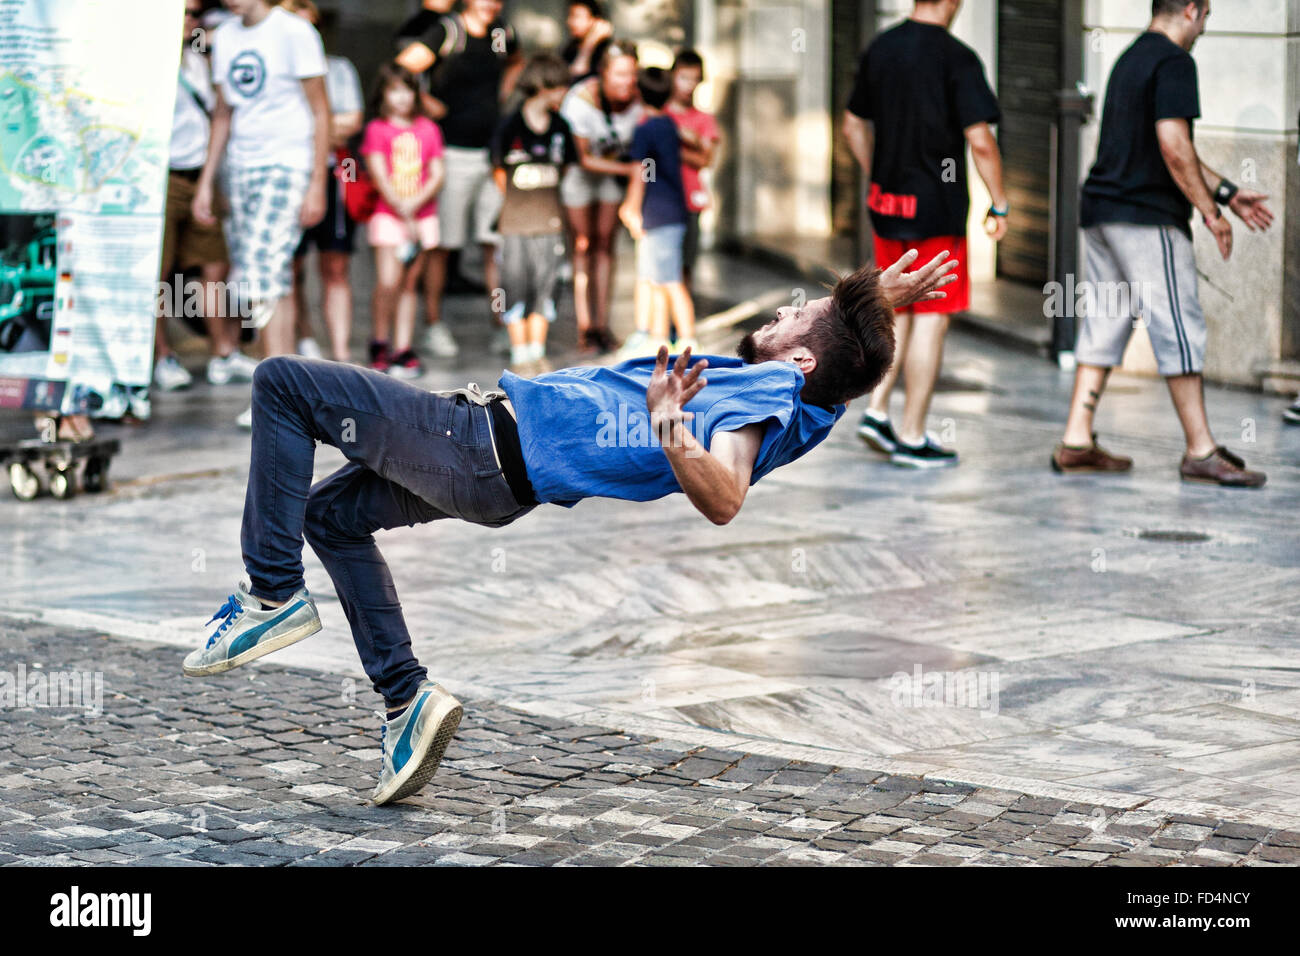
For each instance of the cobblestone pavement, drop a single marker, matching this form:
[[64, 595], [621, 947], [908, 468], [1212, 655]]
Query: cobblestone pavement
[[273, 766]]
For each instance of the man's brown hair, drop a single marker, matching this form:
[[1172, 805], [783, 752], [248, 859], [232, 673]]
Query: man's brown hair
[[854, 347]]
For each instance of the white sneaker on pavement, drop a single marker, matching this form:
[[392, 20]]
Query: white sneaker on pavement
[[308, 348], [439, 343], [169, 374], [235, 367], [245, 419]]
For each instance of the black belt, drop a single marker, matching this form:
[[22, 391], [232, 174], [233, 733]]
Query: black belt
[[191, 174], [511, 453]]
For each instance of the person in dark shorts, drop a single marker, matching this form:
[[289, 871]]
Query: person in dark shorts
[[332, 236], [919, 99], [490, 458], [1136, 204], [473, 60], [530, 151]]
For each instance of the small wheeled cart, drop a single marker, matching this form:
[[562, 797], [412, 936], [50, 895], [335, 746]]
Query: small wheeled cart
[[62, 468]]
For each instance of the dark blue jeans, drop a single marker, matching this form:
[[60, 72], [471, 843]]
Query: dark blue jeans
[[414, 456]]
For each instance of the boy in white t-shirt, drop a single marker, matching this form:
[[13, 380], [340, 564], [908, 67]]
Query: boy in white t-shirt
[[271, 125]]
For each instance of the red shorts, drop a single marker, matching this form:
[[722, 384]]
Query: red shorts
[[889, 251]]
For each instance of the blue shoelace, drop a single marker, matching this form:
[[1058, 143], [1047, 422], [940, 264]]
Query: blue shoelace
[[230, 610]]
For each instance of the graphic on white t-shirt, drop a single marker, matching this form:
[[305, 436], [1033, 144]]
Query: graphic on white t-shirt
[[248, 73], [260, 70]]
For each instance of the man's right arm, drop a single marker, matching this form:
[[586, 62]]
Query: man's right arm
[[1175, 139], [861, 136], [988, 163]]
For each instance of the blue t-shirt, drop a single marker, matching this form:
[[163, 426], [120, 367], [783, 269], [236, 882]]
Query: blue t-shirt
[[585, 431], [665, 197]]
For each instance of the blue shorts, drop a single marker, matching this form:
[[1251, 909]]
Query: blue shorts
[[659, 254]]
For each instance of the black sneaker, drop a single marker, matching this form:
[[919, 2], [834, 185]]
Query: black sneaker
[[1291, 414], [929, 454], [878, 433]]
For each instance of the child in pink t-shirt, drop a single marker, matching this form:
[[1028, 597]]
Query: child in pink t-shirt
[[403, 154], [699, 134]]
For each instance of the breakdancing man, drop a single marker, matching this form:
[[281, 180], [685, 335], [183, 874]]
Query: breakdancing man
[[489, 458]]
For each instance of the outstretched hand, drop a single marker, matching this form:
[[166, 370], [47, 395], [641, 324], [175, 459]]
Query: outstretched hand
[[1251, 209], [904, 288], [668, 392]]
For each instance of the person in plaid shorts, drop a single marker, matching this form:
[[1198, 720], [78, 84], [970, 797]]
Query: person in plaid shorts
[[270, 131]]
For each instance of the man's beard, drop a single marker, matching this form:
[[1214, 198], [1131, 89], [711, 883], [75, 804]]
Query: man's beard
[[748, 350]]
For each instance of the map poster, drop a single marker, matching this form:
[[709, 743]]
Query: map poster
[[87, 89]]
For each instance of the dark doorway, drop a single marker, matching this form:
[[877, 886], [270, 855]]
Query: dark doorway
[[1029, 76]]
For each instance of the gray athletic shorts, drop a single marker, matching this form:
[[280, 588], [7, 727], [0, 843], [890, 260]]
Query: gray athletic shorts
[[1140, 275], [468, 193], [529, 268]]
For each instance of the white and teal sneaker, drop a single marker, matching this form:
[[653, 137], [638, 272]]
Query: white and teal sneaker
[[414, 742], [247, 631]]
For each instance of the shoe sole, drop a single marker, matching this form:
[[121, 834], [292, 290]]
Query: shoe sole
[[1217, 483], [261, 649], [1087, 470], [877, 443], [444, 722], [922, 464]]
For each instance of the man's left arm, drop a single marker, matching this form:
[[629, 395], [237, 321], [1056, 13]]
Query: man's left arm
[[1246, 203]]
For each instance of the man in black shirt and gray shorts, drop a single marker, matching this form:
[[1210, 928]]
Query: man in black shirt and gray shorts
[[1136, 204]]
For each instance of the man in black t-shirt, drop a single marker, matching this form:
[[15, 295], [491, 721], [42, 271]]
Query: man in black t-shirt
[[1140, 265], [473, 60], [919, 98]]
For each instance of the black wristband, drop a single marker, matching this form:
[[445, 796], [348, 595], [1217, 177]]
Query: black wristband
[[1225, 192]]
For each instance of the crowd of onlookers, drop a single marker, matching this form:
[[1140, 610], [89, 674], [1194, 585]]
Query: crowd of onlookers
[[462, 142]]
